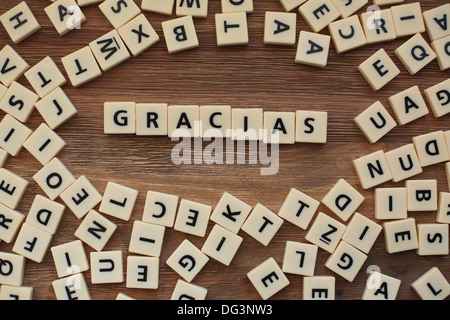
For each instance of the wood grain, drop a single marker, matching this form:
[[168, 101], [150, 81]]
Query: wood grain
[[253, 75]]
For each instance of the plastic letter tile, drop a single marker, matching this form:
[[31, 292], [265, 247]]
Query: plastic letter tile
[[216, 121], [311, 126], [151, 119], [362, 232], [56, 108], [379, 69], [403, 162], [325, 232], [71, 288], [400, 235], [280, 28], [95, 230], [65, 15], [375, 122], [408, 19], [262, 224], [319, 288], [160, 208], [381, 287], [443, 214], [158, 6], [230, 212], [346, 261], [183, 121], [290, 5], [32, 243], [268, 278], [196, 9], [192, 218], [54, 178], [12, 65], [19, 22], [319, 13], [415, 54], [81, 196], [119, 12], [107, 267], [11, 220], [299, 258], [70, 258], [44, 144], [431, 148], [146, 239], [180, 34], [16, 293], [120, 118], [231, 29], [13, 134], [347, 34], [45, 214], [237, 6], [313, 49], [438, 97], [279, 127], [347, 8], [118, 201], [81, 66], [45, 77], [378, 26], [298, 208], [391, 203], [422, 195], [432, 285], [343, 199], [247, 124], [408, 105], [13, 271], [138, 35], [441, 48], [437, 22], [433, 239], [188, 291], [19, 102], [222, 245], [109, 50], [12, 188], [142, 272], [187, 260]]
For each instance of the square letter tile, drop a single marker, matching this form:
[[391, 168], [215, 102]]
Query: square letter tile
[[347, 34], [109, 50], [262, 224], [146, 239], [95, 230], [280, 28], [65, 15], [300, 258], [45, 77], [325, 232], [187, 260], [375, 122], [118, 201], [231, 29], [19, 102], [180, 34], [343, 199], [379, 70], [32, 243], [400, 235], [221, 245], [268, 278], [313, 49], [403, 162], [81, 196], [138, 35], [408, 19], [298, 208], [54, 178], [230, 212], [70, 258], [119, 12], [432, 285], [107, 267], [19, 22], [192, 218], [372, 169], [44, 144], [81, 66], [422, 195], [45, 214], [13, 66], [160, 208], [415, 54], [362, 232], [346, 261], [391, 203], [319, 13]]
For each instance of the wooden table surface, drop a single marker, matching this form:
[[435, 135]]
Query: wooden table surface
[[254, 75]]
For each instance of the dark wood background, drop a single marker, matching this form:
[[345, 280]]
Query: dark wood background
[[254, 75]]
